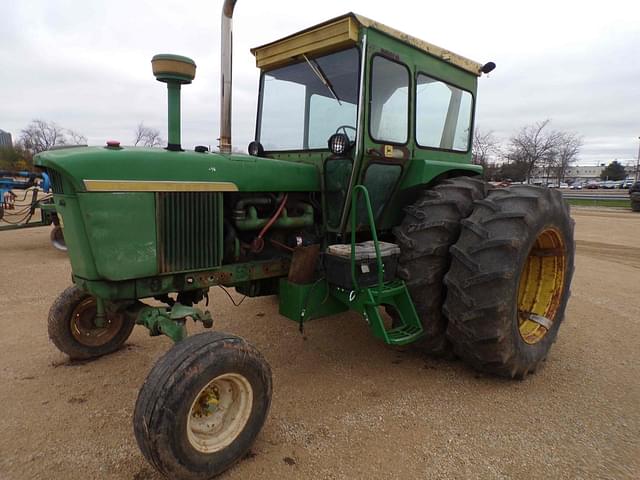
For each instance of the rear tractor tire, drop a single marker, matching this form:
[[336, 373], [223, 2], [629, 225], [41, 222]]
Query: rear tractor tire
[[73, 330], [430, 227], [202, 406], [635, 201], [509, 281]]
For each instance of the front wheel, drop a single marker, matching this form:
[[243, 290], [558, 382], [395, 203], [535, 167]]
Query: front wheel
[[73, 329], [202, 406], [57, 238], [509, 281]]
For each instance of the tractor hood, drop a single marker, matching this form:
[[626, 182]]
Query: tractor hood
[[154, 169]]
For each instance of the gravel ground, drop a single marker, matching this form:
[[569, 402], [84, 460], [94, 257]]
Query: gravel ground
[[344, 405]]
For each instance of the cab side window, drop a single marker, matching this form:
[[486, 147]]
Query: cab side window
[[443, 115], [389, 116]]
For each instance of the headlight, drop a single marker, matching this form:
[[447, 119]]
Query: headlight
[[339, 144]]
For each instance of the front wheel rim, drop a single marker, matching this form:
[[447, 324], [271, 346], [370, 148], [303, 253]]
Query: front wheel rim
[[541, 286], [84, 329], [219, 413]]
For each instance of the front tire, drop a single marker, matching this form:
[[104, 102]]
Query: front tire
[[57, 238], [202, 406], [509, 281], [430, 227], [72, 329]]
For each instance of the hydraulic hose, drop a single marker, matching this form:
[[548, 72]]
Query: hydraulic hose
[[258, 243]]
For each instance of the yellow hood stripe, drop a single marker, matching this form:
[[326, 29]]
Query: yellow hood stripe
[[157, 186]]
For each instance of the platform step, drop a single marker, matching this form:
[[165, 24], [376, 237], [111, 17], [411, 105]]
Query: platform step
[[404, 335], [368, 301]]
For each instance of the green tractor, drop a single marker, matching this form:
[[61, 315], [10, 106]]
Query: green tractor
[[358, 193]]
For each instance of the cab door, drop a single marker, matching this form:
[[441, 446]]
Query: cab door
[[387, 129]]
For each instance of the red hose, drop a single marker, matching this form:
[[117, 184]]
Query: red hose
[[258, 243]]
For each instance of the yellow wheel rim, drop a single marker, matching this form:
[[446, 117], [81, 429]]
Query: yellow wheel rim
[[542, 282]]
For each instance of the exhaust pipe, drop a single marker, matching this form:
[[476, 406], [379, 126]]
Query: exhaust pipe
[[225, 75]]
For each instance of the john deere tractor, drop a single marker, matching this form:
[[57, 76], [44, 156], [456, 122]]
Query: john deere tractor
[[358, 193]]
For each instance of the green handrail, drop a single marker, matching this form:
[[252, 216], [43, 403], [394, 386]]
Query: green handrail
[[372, 226]]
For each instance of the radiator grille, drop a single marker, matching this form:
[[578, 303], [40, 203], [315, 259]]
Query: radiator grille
[[56, 181], [189, 230]]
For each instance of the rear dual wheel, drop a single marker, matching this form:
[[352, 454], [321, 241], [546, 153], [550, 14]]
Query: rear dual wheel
[[431, 225], [509, 281], [202, 406]]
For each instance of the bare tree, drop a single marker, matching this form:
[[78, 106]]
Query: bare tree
[[147, 136], [536, 146], [75, 138], [567, 153], [549, 163], [40, 135], [514, 167], [485, 146]]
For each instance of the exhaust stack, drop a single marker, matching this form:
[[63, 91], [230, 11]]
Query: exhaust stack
[[225, 75]]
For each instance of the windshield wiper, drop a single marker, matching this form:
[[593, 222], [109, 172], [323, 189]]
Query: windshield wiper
[[321, 76]]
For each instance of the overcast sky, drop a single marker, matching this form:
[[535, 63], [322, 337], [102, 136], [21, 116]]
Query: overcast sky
[[86, 64]]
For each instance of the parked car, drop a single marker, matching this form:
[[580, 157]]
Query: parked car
[[592, 185], [564, 185], [609, 184], [626, 183], [576, 186]]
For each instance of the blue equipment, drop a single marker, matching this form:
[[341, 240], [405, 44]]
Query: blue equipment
[[18, 211]]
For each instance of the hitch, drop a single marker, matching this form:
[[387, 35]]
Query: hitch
[[171, 321]]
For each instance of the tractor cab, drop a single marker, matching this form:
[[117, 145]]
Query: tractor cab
[[367, 105]]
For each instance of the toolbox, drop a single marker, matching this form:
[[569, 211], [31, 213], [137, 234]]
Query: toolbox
[[337, 262]]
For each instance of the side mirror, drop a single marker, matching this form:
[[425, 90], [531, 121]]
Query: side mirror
[[488, 67]]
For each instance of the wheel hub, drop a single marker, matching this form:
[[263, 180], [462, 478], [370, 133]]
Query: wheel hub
[[219, 413], [84, 328]]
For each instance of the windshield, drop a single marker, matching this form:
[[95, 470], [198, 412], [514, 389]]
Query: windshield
[[303, 104]]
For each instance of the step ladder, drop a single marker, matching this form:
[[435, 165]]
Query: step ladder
[[407, 327]]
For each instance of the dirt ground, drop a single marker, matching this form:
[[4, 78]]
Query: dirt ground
[[344, 405]]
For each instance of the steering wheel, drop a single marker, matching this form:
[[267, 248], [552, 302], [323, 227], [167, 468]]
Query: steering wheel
[[344, 129]]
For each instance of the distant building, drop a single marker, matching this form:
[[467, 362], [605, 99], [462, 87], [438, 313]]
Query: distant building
[[579, 173], [5, 139], [592, 172], [584, 172]]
